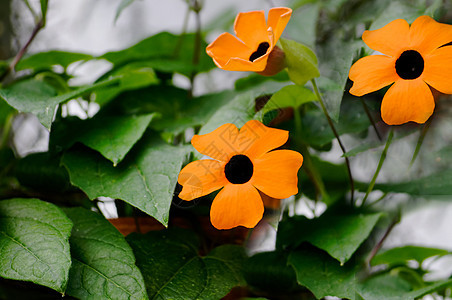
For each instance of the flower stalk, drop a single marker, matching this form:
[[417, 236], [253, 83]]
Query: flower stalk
[[336, 134], [380, 164]]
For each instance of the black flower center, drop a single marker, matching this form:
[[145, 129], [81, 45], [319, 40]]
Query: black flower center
[[261, 50], [409, 65], [239, 169]]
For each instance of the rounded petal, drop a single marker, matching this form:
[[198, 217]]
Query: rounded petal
[[237, 205], [251, 28], [225, 47], [407, 100], [390, 39], [426, 34], [200, 178], [438, 69], [256, 139], [219, 144], [239, 64], [372, 73], [278, 17], [275, 173]]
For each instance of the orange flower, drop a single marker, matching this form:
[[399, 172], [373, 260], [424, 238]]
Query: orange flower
[[242, 163], [255, 40], [414, 59]]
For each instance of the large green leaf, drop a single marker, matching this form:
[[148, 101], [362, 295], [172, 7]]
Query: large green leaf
[[32, 96], [406, 253], [238, 111], [391, 287], [173, 269], [338, 234], [301, 62], [323, 275], [132, 76], [289, 96], [303, 24], [335, 56], [436, 184], [39, 98], [146, 178], [103, 264], [178, 112], [45, 60], [165, 52], [269, 272], [112, 136], [34, 243]]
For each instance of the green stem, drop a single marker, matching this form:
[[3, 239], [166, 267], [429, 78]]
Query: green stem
[[330, 122], [369, 116], [6, 131], [380, 164], [308, 165], [420, 141], [197, 47]]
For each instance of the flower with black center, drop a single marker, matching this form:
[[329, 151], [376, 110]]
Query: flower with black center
[[414, 59], [254, 48], [242, 164]]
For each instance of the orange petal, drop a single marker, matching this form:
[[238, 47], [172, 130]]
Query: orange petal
[[256, 139], [236, 205], [200, 178], [239, 64], [426, 34], [390, 39], [251, 28], [275, 173], [438, 69], [225, 47], [278, 17], [219, 144], [407, 100], [372, 73]]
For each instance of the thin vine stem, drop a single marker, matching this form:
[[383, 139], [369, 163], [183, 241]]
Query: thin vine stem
[[369, 116], [333, 128], [380, 243], [380, 164], [420, 141], [39, 25], [197, 48]]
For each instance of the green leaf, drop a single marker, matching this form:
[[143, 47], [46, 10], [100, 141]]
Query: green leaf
[[146, 178], [268, 271], [112, 136], [238, 111], [436, 184], [45, 60], [34, 241], [40, 98], [32, 96], [406, 253], [338, 234], [391, 287], [335, 56], [42, 172], [103, 264], [132, 76], [263, 84], [289, 96], [121, 7], [165, 52], [301, 62], [173, 269], [303, 24], [323, 275]]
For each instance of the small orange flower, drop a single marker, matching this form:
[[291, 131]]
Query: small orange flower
[[242, 163], [255, 40], [414, 58]]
